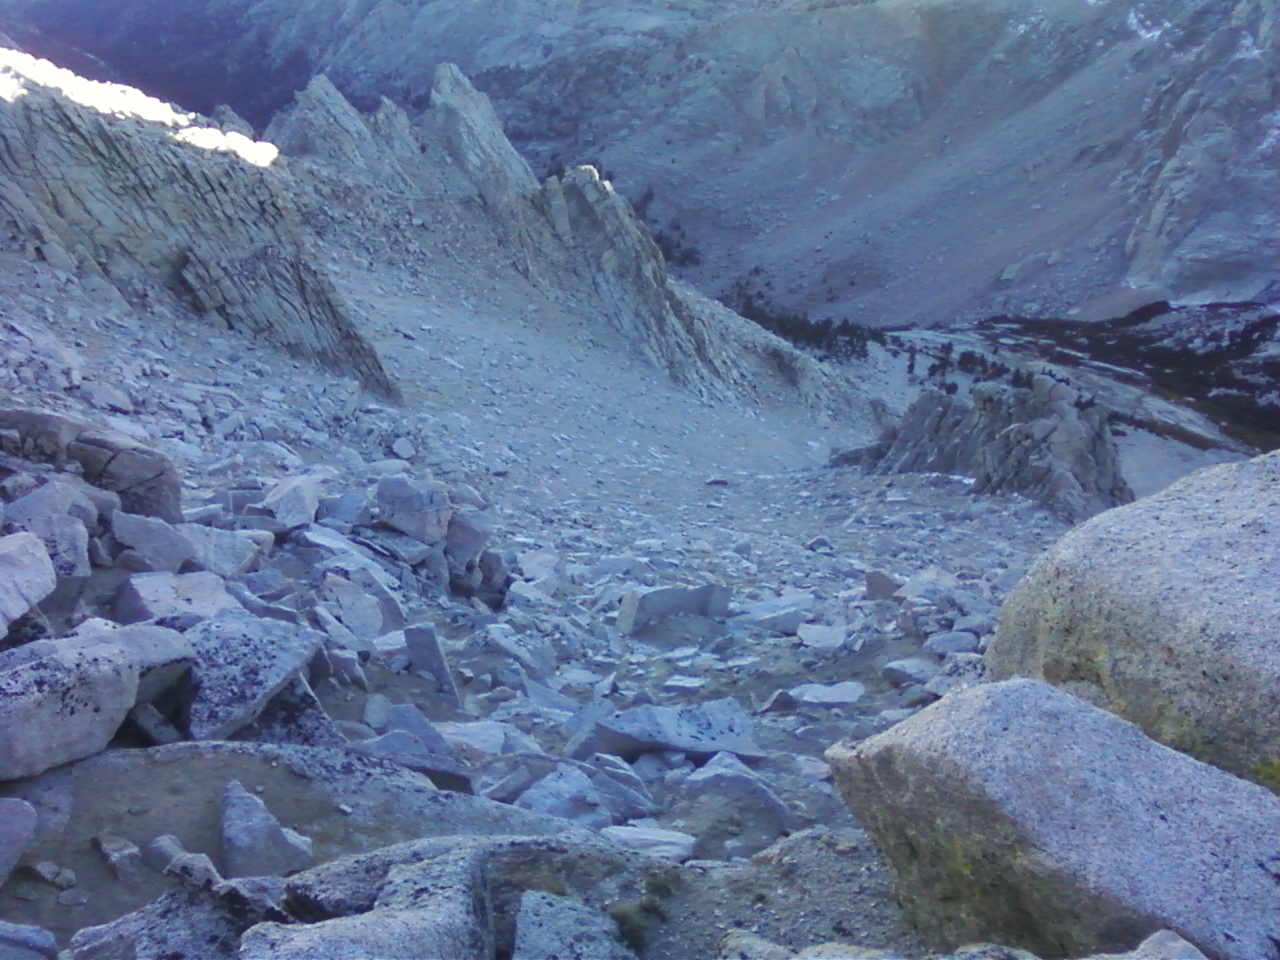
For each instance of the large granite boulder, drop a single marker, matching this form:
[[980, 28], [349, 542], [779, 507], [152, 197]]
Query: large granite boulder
[[1165, 612], [1016, 813], [62, 700]]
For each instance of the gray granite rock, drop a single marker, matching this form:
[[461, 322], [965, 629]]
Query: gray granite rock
[[160, 596], [645, 605], [254, 843], [1013, 812], [22, 942], [154, 546], [569, 793], [26, 576], [701, 729], [548, 926], [62, 701], [910, 670], [17, 827], [242, 662], [414, 507], [224, 552], [1163, 612], [294, 501]]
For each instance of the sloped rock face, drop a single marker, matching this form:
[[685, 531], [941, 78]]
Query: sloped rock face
[[1163, 612], [103, 181], [1209, 164], [1040, 442]]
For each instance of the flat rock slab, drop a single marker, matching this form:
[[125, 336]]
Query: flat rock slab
[[702, 729], [346, 804], [157, 596], [1015, 813], [243, 661]]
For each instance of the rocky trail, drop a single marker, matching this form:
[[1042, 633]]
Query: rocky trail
[[396, 561]]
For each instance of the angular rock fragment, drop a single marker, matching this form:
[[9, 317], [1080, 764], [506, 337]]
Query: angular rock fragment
[[783, 615], [423, 647], [123, 856], [56, 496], [17, 827], [227, 553], [951, 641], [67, 541], [242, 662], [408, 750], [294, 501], [359, 612], [735, 805], [26, 576], [162, 596], [419, 509], [429, 909], [254, 844], [828, 694], [667, 844], [910, 670], [60, 702], [532, 651], [22, 942], [567, 792], [643, 606], [468, 534], [702, 730], [566, 928], [155, 546], [411, 720], [294, 715], [1013, 812]]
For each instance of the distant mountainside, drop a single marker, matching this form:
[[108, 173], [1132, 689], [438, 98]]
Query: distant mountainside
[[898, 163]]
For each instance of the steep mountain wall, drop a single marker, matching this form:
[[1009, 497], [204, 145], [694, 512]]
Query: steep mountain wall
[[104, 182], [898, 161]]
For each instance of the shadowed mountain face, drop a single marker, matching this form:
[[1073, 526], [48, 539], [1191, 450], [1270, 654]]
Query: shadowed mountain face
[[901, 162]]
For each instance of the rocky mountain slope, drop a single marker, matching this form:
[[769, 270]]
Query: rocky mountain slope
[[899, 162], [396, 561]]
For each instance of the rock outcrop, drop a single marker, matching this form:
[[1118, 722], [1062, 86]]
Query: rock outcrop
[[1163, 612], [572, 236], [102, 181], [1015, 813], [1044, 442], [143, 479]]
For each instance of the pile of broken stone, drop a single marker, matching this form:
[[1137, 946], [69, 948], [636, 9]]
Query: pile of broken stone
[[323, 719]]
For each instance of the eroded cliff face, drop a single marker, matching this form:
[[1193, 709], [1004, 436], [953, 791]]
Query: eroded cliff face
[[125, 191], [899, 161]]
